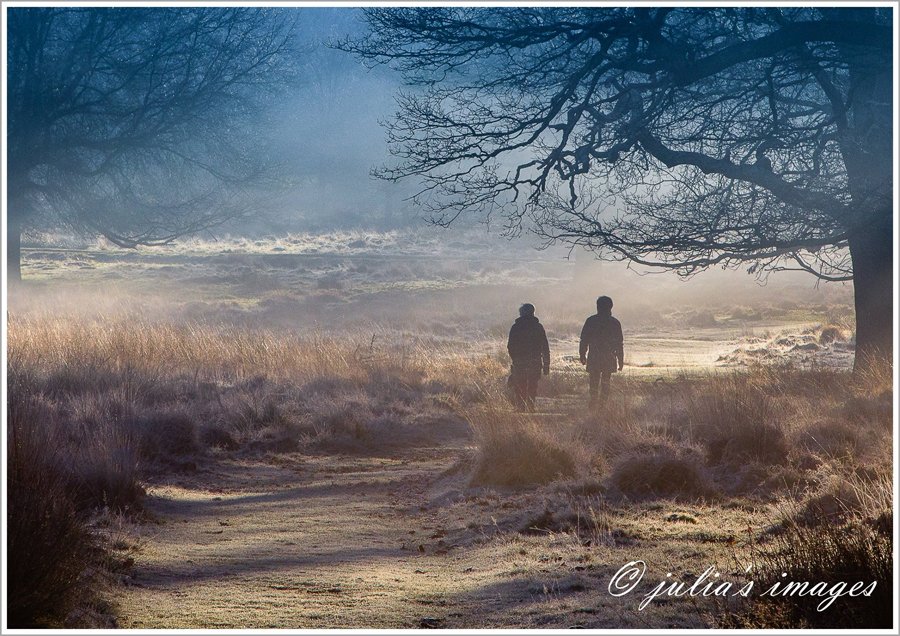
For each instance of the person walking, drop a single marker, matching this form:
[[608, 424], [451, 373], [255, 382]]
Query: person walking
[[601, 349], [530, 353]]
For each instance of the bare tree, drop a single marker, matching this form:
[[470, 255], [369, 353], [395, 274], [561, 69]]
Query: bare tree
[[136, 124], [676, 137]]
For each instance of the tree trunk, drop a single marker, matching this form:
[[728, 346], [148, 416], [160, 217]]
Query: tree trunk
[[869, 158], [13, 250], [872, 254]]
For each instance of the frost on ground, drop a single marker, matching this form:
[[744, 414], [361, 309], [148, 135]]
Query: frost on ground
[[320, 439], [324, 542], [814, 346]]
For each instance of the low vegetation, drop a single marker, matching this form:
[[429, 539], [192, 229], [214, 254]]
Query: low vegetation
[[97, 407], [516, 450], [48, 546]]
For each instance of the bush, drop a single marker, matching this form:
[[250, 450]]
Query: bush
[[830, 334], [842, 535], [736, 421], [48, 547], [341, 423], [166, 434], [214, 436], [832, 438], [862, 410], [106, 476], [843, 495], [701, 319], [831, 553]]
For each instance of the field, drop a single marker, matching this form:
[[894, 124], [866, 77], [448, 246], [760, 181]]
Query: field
[[312, 432]]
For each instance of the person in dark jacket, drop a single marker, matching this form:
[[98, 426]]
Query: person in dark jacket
[[601, 348], [530, 353]]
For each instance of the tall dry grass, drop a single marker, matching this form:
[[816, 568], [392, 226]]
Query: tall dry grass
[[151, 376], [814, 443], [96, 405], [843, 539], [48, 545], [120, 398], [517, 449], [839, 528], [121, 346]]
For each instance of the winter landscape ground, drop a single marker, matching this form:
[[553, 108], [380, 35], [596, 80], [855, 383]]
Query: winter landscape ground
[[312, 431]]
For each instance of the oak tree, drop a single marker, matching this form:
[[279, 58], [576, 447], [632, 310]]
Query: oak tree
[[675, 137]]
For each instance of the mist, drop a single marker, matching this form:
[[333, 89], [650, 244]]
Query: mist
[[326, 137], [599, 306], [318, 239]]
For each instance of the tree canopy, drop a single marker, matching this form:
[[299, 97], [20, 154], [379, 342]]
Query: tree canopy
[[675, 137], [138, 123]]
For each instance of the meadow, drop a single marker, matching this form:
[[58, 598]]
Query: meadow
[[313, 432]]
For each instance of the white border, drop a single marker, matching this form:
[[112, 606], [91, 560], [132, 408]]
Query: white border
[[349, 4]]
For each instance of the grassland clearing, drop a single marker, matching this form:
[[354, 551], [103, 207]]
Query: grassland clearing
[[347, 458]]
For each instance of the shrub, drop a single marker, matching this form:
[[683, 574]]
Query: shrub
[[166, 434], [106, 476], [101, 457], [701, 319], [830, 553], [736, 421], [744, 313], [330, 282], [830, 334], [47, 547], [843, 496], [342, 420], [831, 438], [864, 410], [214, 436], [844, 534]]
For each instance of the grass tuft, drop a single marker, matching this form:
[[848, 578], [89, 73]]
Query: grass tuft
[[516, 450], [658, 474], [737, 421]]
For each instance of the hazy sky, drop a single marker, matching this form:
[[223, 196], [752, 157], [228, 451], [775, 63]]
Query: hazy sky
[[328, 132]]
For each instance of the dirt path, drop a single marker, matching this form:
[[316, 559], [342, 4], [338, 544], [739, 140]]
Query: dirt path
[[313, 542], [301, 541]]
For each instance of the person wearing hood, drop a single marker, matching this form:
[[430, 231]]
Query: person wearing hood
[[530, 353], [601, 349]]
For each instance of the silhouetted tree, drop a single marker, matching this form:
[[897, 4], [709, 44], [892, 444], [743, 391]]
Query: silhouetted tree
[[675, 137], [136, 124]]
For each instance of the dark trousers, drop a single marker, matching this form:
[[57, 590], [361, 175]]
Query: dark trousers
[[599, 380], [524, 380]]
